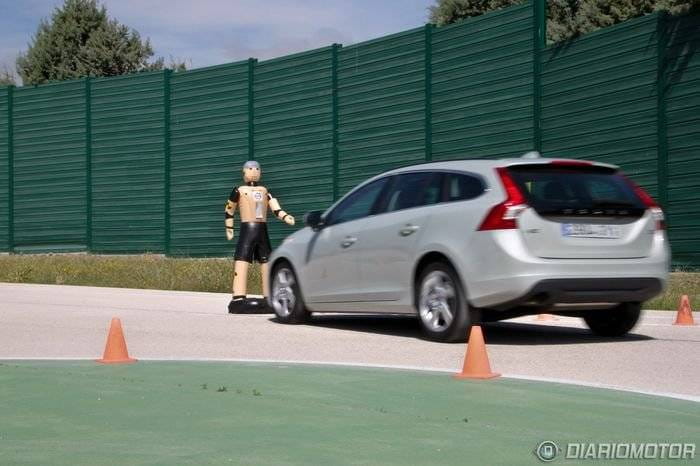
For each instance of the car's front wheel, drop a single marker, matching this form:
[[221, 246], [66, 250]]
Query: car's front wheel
[[614, 322], [285, 296], [441, 303]]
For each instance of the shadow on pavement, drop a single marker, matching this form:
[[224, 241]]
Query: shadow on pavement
[[499, 333]]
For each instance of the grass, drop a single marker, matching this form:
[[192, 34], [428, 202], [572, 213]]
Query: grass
[[144, 271], [155, 413], [681, 283], [213, 275]]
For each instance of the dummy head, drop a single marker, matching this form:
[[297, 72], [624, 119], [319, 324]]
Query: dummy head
[[251, 171]]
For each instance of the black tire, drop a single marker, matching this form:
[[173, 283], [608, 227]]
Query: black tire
[[284, 283], [432, 316], [614, 322]]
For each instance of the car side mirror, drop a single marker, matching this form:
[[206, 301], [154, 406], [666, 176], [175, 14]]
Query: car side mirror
[[314, 219]]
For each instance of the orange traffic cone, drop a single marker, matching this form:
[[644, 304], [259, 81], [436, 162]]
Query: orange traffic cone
[[115, 349], [476, 360], [685, 313]]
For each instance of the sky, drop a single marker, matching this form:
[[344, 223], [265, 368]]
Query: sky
[[210, 32]]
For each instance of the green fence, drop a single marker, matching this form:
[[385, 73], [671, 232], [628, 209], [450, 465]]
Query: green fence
[[144, 163]]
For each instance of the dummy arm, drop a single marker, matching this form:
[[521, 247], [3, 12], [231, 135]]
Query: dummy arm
[[278, 212], [229, 209]]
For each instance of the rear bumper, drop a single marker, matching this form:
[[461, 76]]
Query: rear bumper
[[503, 274], [586, 290]]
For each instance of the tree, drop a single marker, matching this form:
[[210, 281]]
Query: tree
[[450, 11], [6, 77], [81, 40], [566, 19]]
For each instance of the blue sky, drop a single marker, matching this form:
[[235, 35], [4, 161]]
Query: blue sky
[[209, 32]]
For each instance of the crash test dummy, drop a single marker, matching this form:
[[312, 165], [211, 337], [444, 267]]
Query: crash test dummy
[[252, 201]]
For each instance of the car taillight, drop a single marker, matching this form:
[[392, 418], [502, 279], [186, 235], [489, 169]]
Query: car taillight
[[503, 216], [656, 212]]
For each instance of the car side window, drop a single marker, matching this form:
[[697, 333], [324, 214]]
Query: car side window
[[462, 187], [358, 204], [414, 190]]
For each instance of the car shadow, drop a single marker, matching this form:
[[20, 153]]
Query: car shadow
[[498, 333]]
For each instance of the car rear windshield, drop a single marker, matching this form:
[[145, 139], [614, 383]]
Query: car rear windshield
[[577, 191]]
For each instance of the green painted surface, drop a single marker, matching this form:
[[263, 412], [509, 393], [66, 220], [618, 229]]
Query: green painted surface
[[293, 133], [381, 114], [173, 413], [208, 146], [599, 101], [682, 68], [482, 86], [4, 169], [49, 166], [128, 171]]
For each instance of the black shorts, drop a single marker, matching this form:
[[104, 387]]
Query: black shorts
[[253, 243]]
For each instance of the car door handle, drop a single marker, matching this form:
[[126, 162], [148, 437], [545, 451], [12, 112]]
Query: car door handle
[[408, 230], [348, 241]]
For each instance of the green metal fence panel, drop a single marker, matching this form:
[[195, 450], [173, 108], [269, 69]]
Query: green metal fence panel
[[208, 146], [682, 69], [381, 106], [4, 169], [49, 167], [128, 170], [293, 132], [482, 86], [599, 98], [144, 162]]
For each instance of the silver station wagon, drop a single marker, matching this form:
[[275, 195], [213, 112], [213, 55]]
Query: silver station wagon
[[479, 240]]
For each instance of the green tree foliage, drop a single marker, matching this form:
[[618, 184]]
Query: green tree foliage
[[566, 19], [6, 77], [81, 40]]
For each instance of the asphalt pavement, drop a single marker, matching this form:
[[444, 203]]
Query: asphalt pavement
[[48, 322]]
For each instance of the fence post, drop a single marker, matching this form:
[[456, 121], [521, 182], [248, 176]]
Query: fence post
[[661, 123], [334, 105], [88, 163], [251, 108], [539, 38], [10, 171], [166, 155], [428, 66]]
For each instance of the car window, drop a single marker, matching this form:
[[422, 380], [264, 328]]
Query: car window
[[553, 190], [358, 204], [414, 190], [461, 187]]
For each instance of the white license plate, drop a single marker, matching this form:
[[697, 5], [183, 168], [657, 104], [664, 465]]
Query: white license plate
[[587, 230]]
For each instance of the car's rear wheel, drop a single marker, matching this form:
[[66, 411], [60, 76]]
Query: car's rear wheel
[[614, 322], [285, 296], [441, 303]]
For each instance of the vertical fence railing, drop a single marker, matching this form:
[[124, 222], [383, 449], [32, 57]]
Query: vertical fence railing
[[334, 109], [251, 108], [88, 164], [428, 64], [539, 37], [662, 133], [10, 171], [166, 156]]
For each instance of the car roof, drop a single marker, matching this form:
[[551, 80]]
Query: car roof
[[478, 165]]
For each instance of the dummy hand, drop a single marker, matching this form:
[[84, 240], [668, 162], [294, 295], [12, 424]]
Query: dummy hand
[[289, 220], [229, 234]]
